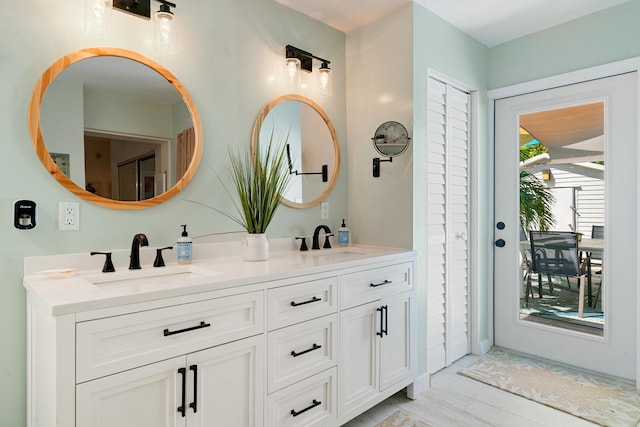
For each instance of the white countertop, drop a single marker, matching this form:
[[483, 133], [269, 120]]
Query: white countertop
[[74, 283]]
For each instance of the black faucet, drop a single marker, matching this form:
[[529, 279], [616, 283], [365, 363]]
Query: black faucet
[[138, 240], [327, 233]]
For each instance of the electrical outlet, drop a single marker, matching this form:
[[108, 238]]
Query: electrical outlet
[[324, 210], [68, 216]]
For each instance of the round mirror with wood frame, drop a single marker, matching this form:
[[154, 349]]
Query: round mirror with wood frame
[[52, 163], [312, 147]]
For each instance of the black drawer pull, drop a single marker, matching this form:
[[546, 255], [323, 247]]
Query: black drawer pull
[[183, 408], [167, 332], [381, 310], [314, 299], [375, 285], [194, 405], [314, 347], [302, 411]]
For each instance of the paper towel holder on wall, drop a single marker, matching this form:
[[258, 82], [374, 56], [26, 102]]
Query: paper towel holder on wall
[[391, 139]]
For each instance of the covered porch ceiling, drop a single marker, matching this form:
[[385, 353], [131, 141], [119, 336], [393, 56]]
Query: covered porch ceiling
[[570, 135]]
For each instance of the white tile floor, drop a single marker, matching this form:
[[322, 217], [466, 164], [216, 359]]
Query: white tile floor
[[454, 400]]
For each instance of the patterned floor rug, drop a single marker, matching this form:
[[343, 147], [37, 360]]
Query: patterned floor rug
[[402, 419], [594, 398]]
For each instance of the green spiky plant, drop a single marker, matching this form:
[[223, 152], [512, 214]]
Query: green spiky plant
[[536, 200], [257, 183]]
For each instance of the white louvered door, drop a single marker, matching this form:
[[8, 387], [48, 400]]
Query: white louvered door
[[448, 224]]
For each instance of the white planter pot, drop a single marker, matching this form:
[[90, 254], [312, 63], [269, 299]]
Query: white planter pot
[[255, 247]]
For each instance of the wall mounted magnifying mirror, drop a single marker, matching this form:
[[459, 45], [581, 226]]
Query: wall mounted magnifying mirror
[[115, 128], [313, 151], [391, 139]]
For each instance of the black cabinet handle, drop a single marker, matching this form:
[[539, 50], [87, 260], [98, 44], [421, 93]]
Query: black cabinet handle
[[167, 332], [182, 408], [375, 285], [194, 405], [381, 333], [314, 299], [302, 411], [386, 319], [314, 347]]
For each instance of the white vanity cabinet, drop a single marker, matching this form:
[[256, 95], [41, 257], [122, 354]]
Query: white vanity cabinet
[[375, 336], [172, 362], [302, 354], [309, 339], [213, 387]]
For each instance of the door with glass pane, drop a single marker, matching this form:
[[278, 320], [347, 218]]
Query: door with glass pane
[[548, 117]]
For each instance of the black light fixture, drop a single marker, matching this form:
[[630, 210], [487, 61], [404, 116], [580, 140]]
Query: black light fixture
[[299, 60], [140, 8], [162, 20]]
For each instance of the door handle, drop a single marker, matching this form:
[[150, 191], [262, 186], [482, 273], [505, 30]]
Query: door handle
[[500, 243]]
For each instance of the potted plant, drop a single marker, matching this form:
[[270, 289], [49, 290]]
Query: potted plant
[[257, 181]]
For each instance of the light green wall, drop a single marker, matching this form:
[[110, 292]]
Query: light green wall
[[440, 47], [230, 59], [603, 37]]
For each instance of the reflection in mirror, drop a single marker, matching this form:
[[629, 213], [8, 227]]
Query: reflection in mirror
[[129, 131], [562, 154], [312, 147], [391, 139]]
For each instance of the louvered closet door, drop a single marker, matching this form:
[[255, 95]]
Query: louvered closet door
[[448, 222]]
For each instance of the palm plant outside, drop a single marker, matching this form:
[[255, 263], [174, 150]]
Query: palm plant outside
[[536, 199]]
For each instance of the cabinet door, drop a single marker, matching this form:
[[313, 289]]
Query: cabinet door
[[395, 361], [357, 366], [148, 396], [226, 384]]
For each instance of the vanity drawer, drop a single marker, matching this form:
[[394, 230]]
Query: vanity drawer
[[113, 344], [300, 351], [366, 286], [303, 301], [311, 402]]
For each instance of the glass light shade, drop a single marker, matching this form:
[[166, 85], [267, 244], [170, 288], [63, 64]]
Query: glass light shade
[[97, 16], [325, 80], [165, 32], [293, 72]]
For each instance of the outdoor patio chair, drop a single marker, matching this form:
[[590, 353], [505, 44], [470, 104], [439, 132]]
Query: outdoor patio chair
[[527, 265], [556, 253]]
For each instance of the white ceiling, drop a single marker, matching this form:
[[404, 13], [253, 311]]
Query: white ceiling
[[491, 22]]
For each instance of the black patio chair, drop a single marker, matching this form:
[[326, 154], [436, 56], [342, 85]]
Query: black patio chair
[[556, 253]]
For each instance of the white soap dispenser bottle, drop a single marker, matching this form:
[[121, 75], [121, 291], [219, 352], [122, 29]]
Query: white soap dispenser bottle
[[184, 247], [344, 237]]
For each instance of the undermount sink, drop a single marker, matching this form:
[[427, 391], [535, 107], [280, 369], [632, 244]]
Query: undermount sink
[[338, 253], [153, 276]]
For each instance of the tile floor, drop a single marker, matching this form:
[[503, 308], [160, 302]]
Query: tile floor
[[454, 400]]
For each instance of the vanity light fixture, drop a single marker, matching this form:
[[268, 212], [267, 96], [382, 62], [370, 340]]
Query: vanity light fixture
[[163, 28], [162, 20], [97, 16], [297, 60]]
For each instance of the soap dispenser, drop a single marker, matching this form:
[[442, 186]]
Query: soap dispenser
[[184, 247], [344, 237]]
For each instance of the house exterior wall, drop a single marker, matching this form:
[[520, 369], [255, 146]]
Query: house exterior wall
[[589, 196]]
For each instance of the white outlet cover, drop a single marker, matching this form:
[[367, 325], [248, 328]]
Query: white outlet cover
[[68, 216]]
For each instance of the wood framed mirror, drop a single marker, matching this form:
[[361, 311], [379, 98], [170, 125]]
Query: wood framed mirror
[[115, 128], [313, 150]]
